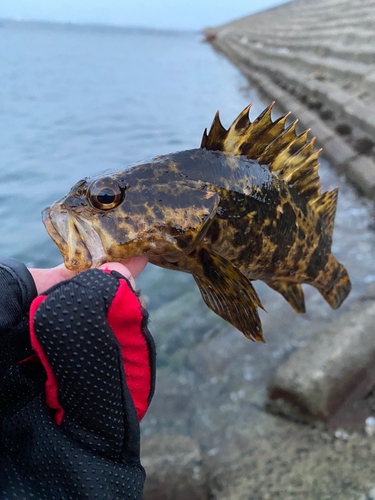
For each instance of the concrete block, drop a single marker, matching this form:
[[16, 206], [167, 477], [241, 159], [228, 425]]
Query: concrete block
[[268, 71], [361, 115], [369, 83], [361, 172], [339, 152], [319, 129], [322, 132], [320, 377], [174, 468]]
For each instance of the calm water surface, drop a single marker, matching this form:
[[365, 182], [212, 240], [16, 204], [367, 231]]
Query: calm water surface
[[77, 100]]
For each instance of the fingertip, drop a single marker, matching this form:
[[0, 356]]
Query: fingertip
[[120, 268], [116, 266], [136, 264]]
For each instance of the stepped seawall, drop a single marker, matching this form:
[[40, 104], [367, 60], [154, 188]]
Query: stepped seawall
[[317, 60]]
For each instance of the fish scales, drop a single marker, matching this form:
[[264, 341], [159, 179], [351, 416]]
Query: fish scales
[[245, 206]]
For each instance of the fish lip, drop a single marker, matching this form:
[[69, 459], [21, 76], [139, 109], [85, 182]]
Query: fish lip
[[91, 239], [62, 229], [52, 230]]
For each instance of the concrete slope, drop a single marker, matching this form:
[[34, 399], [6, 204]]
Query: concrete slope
[[316, 59]]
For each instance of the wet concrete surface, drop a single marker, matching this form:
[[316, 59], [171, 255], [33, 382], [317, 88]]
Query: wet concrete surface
[[331, 376]]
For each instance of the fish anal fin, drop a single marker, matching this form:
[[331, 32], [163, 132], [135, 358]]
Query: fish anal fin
[[292, 293], [225, 290]]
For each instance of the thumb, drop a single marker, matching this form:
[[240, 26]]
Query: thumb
[[120, 268]]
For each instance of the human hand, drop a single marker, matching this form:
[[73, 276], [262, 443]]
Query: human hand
[[88, 331], [46, 278]]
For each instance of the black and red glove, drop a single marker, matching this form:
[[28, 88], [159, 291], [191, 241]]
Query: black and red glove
[[79, 438]]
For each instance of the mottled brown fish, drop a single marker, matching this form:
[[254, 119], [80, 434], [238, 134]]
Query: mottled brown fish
[[245, 206]]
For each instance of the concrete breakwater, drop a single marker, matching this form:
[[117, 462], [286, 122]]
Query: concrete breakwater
[[317, 60]]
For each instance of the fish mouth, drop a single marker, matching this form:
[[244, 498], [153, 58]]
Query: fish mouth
[[77, 241]]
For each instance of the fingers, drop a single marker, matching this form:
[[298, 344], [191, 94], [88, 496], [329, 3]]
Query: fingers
[[45, 278], [136, 264]]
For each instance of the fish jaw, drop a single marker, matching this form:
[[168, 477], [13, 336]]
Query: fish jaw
[[92, 241], [78, 243]]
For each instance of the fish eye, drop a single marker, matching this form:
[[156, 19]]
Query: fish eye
[[106, 194]]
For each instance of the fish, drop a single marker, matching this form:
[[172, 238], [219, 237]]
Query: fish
[[245, 206]]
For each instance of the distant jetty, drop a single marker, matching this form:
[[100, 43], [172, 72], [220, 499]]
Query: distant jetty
[[316, 59]]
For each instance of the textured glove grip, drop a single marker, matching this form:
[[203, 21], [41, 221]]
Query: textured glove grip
[[74, 327]]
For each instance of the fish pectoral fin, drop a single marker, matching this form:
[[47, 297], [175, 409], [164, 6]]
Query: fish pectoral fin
[[291, 292], [187, 226], [228, 293]]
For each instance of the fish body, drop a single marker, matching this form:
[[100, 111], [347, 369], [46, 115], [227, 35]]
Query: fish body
[[245, 206]]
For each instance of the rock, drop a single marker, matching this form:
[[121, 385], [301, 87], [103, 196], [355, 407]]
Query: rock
[[296, 462], [174, 468], [362, 175], [338, 150], [336, 366]]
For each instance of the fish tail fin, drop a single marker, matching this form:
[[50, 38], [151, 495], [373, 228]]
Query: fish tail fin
[[336, 294], [290, 156]]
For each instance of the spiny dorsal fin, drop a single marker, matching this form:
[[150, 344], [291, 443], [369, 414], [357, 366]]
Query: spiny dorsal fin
[[216, 136], [290, 156]]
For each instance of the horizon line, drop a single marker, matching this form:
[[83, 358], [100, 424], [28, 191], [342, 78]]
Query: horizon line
[[94, 24]]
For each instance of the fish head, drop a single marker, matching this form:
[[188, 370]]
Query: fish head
[[117, 216]]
